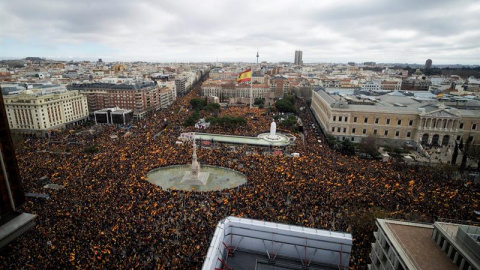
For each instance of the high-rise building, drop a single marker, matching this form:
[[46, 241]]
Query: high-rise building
[[298, 58], [428, 64]]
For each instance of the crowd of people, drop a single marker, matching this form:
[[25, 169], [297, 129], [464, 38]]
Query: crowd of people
[[108, 216]]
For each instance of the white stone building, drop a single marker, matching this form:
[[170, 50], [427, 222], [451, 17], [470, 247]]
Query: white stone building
[[36, 112]]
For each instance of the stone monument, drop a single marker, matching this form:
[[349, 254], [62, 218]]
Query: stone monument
[[194, 176]]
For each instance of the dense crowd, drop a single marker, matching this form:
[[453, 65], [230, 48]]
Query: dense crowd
[[108, 216]]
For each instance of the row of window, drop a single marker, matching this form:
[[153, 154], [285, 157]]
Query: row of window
[[388, 121], [364, 131], [377, 120]]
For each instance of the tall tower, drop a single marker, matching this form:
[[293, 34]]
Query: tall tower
[[298, 58], [428, 64], [257, 56]]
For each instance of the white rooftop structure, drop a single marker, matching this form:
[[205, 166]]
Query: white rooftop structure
[[242, 243]]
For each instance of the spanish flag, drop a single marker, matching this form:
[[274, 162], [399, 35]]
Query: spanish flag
[[245, 76]]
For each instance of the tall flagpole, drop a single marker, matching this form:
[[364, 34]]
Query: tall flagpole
[[251, 87]]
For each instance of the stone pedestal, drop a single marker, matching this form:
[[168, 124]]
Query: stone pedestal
[[200, 180]]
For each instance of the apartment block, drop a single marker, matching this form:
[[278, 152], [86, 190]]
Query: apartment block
[[141, 98]]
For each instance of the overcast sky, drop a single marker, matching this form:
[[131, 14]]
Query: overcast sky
[[402, 31]]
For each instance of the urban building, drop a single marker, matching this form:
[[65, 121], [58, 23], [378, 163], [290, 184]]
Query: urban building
[[417, 246], [422, 84], [298, 58], [370, 86], [180, 86], [114, 116], [141, 98], [253, 244], [428, 64], [391, 85], [12, 196], [280, 86], [36, 112], [229, 92], [397, 118], [167, 97]]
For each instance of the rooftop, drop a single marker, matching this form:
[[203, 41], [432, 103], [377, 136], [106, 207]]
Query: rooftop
[[415, 242]]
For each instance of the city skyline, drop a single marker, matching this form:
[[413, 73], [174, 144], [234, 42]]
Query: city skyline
[[183, 31]]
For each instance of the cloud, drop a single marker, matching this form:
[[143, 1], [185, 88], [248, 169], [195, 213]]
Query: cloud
[[185, 30]]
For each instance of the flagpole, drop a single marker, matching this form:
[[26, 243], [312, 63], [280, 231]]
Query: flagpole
[[251, 88]]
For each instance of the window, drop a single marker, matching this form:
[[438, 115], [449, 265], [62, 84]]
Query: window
[[364, 131], [344, 130], [461, 126], [333, 129], [474, 126], [339, 119], [376, 120], [399, 122], [346, 118], [458, 137], [385, 133], [334, 118], [397, 133], [410, 122], [365, 120], [374, 132], [352, 139], [353, 130], [388, 121], [355, 119], [409, 134], [338, 129]]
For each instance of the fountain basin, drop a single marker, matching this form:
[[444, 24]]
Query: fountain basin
[[219, 178]]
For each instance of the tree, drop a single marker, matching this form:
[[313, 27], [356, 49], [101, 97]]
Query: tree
[[212, 107], [259, 101], [369, 145], [331, 140], [455, 154], [192, 119], [227, 121], [463, 165], [474, 154], [348, 147], [290, 122], [197, 103], [284, 105]]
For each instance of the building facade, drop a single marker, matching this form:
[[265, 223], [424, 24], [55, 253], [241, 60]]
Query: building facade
[[167, 97], [34, 112], [181, 86], [395, 117], [226, 91], [141, 98], [401, 245], [298, 58], [12, 196]]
